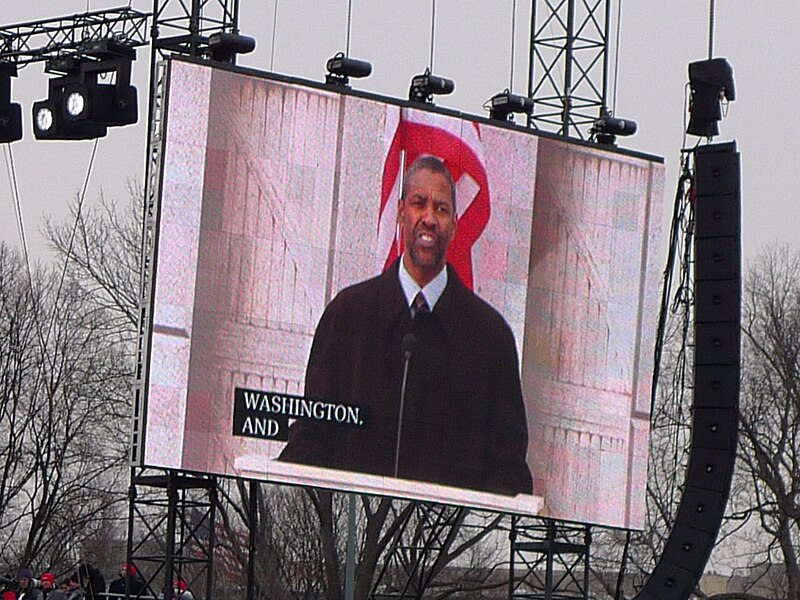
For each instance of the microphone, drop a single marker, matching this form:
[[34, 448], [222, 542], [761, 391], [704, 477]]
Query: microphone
[[409, 345]]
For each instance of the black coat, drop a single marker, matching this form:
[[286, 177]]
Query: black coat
[[464, 419]]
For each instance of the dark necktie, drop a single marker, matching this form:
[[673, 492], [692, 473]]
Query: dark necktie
[[420, 305]]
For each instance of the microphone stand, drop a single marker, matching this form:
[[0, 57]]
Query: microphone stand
[[409, 345]]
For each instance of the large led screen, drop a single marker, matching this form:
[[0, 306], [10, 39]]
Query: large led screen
[[296, 225]]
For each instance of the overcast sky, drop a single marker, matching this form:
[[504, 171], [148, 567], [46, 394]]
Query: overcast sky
[[472, 46]]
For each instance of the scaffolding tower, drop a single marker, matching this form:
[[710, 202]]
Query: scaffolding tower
[[568, 79], [549, 560]]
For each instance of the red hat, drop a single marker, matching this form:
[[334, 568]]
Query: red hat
[[47, 577], [129, 568], [180, 584], [9, 595]]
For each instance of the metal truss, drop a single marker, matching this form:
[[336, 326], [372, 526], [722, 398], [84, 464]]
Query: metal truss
[[178, 26], [184, 26], [414, 559], [171, 516], [155, 135], [568, 64], [37, 41], [549, 561]]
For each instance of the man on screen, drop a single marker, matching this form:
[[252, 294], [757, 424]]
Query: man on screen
[[457, 416]]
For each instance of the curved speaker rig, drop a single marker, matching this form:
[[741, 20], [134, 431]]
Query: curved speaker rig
[[715, 413]]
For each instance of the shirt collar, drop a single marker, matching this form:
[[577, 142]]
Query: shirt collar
[[432, 292]]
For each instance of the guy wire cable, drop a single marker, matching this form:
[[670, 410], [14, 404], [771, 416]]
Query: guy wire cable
[[433, 29], [616, 58], [274, 31], [44, 339], [513, 39], [349, 26], [78, 217], [12, 180], [711, 11]]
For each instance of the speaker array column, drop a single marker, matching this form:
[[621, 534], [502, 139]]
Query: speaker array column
[[715, 412]]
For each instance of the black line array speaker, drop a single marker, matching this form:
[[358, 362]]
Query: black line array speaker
[[715, 411]]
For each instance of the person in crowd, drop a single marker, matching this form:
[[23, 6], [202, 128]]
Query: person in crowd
[[181, 591], [130, 579], [47, 582], [27, 586], [74, 589], [91, 581], [9, 589]]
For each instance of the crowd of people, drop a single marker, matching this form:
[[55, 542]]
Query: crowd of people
[[86, 583]]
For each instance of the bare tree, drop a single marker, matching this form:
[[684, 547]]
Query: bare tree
[[769, 456], [102, 247], [63, 379], [760, 534]]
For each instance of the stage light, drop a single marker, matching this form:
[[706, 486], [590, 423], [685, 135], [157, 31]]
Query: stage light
[[711, 81], [606, 129], [341, 68], [425, 86], [80, 104], [504, 104], [224, 46], [44, 118], [76, 102], [10, 112], [50, 123]]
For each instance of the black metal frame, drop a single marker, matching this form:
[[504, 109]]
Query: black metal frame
[[560, 550], [568, 79], [412, 564], [187, 25], [172, 517], [38, 41]]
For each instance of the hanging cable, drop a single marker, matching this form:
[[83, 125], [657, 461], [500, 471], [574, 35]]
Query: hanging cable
[[274, 31], [78, 218], [12, 180], [676, 233], [349, 26], [711, 7], [513, 39], [616, 58], [44, 338], [433, 30], [677, 299]]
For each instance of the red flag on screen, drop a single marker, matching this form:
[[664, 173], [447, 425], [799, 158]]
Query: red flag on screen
[[410, 133]]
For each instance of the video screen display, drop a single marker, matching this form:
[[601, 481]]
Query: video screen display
[[366, 295]]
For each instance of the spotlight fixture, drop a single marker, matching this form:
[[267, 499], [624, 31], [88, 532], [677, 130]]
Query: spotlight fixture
[[93, 93], [425, 86], [77, 104], [50, 122], [711, 81], [341, 68], [10, 112], [606, 128], [505, 104], [224, 46]]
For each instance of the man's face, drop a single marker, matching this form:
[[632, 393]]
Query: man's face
[[428, 220], [46, 584]]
